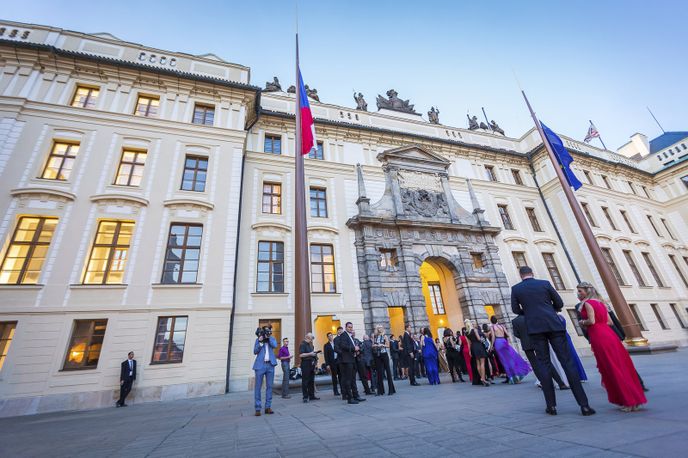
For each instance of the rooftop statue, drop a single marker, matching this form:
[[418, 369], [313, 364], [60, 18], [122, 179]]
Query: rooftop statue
[[273, 86], [434, 115], [312, 93], [394, 103], [495, 127], [291, 89], [361, 104], [484, 126], [472, 122]]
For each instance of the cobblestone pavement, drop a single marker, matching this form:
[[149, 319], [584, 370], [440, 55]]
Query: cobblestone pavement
[[446, 420]]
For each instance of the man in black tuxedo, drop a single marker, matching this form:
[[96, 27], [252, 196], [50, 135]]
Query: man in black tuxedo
[[521, 332], [331, 362], [346, 349], [127, 375], [539, 302], [364, 359], [409, 345]]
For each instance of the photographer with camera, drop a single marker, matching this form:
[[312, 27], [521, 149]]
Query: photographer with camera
[[264, 366], [309, 359]]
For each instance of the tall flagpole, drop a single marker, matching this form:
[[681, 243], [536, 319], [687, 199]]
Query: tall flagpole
[[598, 134], [302, 294], [633, 335]]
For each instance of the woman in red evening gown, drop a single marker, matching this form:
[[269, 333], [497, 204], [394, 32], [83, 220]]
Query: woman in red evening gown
[[619, 376], [466, 353]]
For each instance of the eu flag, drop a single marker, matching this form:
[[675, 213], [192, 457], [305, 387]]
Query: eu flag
[[563, 156]]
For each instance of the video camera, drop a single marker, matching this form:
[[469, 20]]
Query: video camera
[[265, 331]]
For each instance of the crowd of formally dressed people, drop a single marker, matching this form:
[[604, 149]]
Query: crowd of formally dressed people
[[481, 353]]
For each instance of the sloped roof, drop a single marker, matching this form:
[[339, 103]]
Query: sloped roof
[[665, 140]]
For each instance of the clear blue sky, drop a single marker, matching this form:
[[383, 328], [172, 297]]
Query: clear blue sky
[[588, 59]]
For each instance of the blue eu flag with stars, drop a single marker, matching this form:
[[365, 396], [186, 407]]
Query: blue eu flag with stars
[[563, 156]]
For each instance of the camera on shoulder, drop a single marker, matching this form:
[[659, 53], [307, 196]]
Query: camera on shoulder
[[264, 331]]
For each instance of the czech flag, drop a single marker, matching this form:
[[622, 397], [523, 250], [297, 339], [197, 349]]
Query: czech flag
[[307, 126]]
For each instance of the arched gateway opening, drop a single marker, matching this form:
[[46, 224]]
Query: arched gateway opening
[[438, 285]]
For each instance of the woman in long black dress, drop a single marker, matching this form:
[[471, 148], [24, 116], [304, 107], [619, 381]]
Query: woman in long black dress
[[381, 355], [478, 352], [452, 353]]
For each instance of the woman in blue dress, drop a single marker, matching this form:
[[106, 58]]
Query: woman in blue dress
[[431, 358], [574, 353]]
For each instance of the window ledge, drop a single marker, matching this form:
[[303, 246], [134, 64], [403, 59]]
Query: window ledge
[[270, 294], [156, 366], [82, 286], [337, 294], [647, 287], [177, 285], [19, 287]]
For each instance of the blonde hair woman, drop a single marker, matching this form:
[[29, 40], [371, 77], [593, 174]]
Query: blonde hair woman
[[477, 351], [619, 376], [381, 357]]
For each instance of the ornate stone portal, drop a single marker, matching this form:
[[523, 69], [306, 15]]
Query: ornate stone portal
[[417, 219]]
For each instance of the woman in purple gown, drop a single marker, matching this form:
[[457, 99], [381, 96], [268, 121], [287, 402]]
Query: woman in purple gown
[[430, 357], [515, 366]]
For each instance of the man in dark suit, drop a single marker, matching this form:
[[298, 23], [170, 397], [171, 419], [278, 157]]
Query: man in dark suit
[[364, 359], [394, 350], [346, 349], [539, 302], [409, 345], [521, 332], [127, 375], [331, 362]]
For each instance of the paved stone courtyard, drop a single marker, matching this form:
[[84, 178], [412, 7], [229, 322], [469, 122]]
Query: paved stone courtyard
[[448, 420]]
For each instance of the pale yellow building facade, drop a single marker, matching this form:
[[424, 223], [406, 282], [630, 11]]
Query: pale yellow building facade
[[147, 205]]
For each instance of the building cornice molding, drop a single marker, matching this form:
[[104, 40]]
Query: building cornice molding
[[271, 225], [323, 228], [119, 197], [189, 202], [43, 191]]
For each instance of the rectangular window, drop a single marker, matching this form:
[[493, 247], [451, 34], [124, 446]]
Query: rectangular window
[[653, 271], [130, 170], [85, 345], [630, 185], [276, 324], [506, 219], [147, 106], [477, 260], [60, 161], [668, 229], [659, 316], [7, 329], [85, 97], [318, 202], [631, 263], [317, 152], [532, 216], [553, 271], [517, 176], [607, 253], [388, 259], [672, 258], [170, 337], [195, 173], [183, 254], [203, 114], [109, 253], [490, 173], [627, 220], [588, 177], [273, 144], [27, 251], [684, 180], [574, 319], [652, 223], [436, 298], [272, 198], [605, 180], [322, 269], [588, 214], [519, 259], [605, 210], [636, 315], [270, 278], [674, 308], [647, 193]]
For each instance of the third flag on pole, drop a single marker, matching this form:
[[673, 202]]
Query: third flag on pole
[[563, 156], [592, 133]]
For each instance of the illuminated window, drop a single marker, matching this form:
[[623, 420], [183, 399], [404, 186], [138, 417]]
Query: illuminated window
[[85, 97], [553, 271], [27, 250], [272, 144], [504, 215], [270, 278], [436, 298], [322, 269], [317, 152], [532, 216], [170, 337], [607, 253], [631, 263], [272, 198], [195, 173], [183, 253], [147, 106], [517, 176], [477, 260], [85, 345], [318, 202], [109, 253], [60, 161], [7, 329], [388, 259], [203, 114], [130, 170]]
